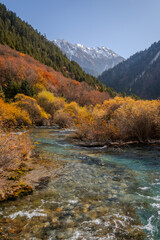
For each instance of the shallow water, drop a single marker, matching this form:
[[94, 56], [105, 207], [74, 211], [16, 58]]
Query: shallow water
[[97, 194]]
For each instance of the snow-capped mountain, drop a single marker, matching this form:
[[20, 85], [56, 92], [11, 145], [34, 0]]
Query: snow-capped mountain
[[93, 60]]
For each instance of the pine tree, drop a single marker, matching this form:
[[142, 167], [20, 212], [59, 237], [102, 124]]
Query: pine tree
[[26, 89], [2, 93]]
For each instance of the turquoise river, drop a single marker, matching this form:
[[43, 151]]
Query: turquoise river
[[95, 193]]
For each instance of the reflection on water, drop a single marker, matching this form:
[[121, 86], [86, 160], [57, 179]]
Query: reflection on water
[[99, 194]]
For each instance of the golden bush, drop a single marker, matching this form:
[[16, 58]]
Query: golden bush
[[49, 102], [138, 120], [63, 119], [120, 119], [11, 115], [36, 113]]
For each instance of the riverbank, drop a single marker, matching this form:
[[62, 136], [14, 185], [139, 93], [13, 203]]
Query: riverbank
[[117, 144], [28, 175], [22, 170], [110, 143]]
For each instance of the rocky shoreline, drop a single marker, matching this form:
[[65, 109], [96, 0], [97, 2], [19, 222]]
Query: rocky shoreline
[[28, 175], [110, 144]]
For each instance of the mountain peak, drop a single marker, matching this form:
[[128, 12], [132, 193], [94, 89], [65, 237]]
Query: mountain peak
[[93, 60], [80, 45]]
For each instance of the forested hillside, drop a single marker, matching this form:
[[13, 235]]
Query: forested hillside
[[140, 74], [20, 73], [32, 93], [21, 36]]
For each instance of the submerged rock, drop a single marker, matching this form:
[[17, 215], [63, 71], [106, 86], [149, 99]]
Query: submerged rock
[[43, 183]]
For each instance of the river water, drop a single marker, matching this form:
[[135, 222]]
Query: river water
[[96, 193]]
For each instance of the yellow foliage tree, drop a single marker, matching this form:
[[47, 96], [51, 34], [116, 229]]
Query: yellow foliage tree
[[36, 113], [11, 115], [68, 116], [49, 102]]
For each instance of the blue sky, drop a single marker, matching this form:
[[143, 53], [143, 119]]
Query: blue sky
[[125, 26]]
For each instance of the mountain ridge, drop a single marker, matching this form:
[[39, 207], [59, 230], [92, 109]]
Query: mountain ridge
[[139, 74], [93, 60]]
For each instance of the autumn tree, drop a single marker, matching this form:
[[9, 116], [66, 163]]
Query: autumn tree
[[49, 102], [36, 113], [13, 116]]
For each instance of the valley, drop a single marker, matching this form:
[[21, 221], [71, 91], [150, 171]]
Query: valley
[[79, 138]]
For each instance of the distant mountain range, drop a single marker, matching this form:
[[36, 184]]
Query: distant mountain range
[[93, 60], [140, 74]]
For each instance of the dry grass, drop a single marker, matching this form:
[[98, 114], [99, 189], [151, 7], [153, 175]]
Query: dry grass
[[14, 147]]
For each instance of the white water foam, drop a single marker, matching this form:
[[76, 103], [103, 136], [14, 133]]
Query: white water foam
[[96, 221], [157, 205], [45, 201], [125, 218], [82, 235], [157, 183], [149, 227], [157, 198], [76, 235], [100, 148], [28, 214], [73, 201], [143, 188]]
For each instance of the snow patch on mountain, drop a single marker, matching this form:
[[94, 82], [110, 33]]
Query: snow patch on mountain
[[93, 60], [155, 58]]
